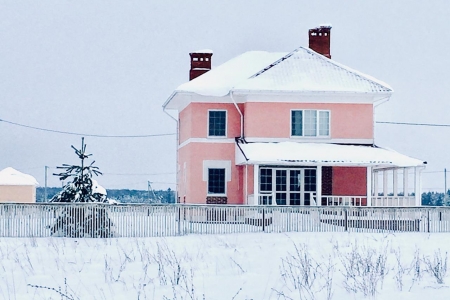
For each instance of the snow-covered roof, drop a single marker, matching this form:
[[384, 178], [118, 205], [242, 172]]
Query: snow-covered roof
[[10, 176], [304, 70], [300, 71], [219, 81], [324, 154]]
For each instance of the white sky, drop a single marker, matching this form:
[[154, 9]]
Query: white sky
[[107, 67]]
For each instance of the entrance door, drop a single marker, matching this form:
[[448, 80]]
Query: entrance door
[[287, 186]]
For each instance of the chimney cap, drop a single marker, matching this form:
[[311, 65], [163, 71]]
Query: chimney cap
[[203, 51], [325, 25]]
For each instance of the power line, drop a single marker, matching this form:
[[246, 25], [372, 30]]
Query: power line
[[138, 174], [86, 134], [413, 124]]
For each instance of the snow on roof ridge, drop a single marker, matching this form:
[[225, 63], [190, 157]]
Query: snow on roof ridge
[[381, 86], [274, 63], [354, 71]]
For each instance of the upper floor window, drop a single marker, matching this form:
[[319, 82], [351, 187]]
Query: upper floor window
[[217, 123], [310, 122]]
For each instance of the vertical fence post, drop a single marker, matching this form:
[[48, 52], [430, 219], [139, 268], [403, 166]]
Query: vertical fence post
[[345, 219], [179, 219], [263, 219], [428, 220]]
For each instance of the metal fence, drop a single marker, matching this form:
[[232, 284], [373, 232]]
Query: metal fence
[[135, 220]]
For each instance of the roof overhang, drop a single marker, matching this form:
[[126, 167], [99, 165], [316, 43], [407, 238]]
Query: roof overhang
[[314, 154]]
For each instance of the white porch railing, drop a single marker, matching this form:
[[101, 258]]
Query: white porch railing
[[344, 200], [100, 220], [393, 201], [378, 201]]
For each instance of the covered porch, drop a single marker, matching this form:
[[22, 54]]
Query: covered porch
[[318, 174]]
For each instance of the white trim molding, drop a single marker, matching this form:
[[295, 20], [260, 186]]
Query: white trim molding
[[207, 140], [217, 164], [301, 139]]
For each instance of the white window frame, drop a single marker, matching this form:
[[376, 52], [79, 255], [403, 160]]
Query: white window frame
[[226, 125], [217, 164], [317, 124], [224, 183]]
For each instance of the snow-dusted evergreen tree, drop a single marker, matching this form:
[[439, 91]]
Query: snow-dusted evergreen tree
[[81, 221], [80, 185]]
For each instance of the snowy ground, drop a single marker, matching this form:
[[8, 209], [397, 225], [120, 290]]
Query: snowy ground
[[240, 266]]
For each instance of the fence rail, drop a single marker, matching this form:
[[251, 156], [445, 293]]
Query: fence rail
[[135, 220]]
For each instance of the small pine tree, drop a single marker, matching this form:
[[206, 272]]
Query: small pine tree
[[79, 189], [81, 221]]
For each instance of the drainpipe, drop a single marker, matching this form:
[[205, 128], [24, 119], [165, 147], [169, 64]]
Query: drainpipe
[[176, 163], [379, 102], [240, 113], [241, 136]]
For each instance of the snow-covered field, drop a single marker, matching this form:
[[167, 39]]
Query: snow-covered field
[[240, 266]]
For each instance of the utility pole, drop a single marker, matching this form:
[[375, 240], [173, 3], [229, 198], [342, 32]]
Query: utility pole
[[149, 188], [45, 189], [445, 185]]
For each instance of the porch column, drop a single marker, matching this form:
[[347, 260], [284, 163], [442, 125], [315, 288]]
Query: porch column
[[375, 184], [255, 184], [417, 189], [319, 186], [369, 186], [385, 183], [246, 184], [405, 182], [395, 183]]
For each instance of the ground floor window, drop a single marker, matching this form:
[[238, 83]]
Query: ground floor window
[[216, 181], [287, 186]]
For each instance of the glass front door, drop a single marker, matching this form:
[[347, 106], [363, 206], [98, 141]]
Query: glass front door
[[284, 186]]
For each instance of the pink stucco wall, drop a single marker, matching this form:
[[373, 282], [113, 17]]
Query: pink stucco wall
[[270, 120], [194, 120], [185, 124], [349, 181], [195, 190]]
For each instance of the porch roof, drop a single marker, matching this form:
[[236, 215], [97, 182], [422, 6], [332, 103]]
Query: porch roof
[[291, 153]]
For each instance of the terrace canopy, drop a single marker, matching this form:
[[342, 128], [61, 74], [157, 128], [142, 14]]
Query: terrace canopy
[[316, 156], [289, 153]]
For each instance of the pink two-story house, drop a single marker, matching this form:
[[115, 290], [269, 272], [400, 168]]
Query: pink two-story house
[[294, 128]]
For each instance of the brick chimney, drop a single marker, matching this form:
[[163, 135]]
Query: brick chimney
[[200, 63], [319, 40]]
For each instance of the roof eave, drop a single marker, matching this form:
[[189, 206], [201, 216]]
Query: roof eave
[[294, 92], [320, 163], [171, 101]]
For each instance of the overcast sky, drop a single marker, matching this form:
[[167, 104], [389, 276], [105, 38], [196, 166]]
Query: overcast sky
[[106, 68]]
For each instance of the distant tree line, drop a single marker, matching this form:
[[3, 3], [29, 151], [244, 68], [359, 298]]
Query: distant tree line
[[168, 196], [436, 199], [123, 196]]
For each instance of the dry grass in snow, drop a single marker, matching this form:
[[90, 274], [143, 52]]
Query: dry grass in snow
[[242, 266]]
